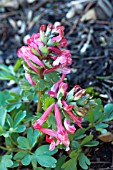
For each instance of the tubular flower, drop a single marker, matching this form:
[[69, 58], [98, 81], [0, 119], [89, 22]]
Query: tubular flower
[[27, 54], [54, 89], [75, 103], [43, 118], [79, 92], [29, 78], [77, 120], [69, 128], [45, 51], [62, 136]]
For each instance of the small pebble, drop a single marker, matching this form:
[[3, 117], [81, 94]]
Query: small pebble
[[30, 1], [11, 82], [71, 13]]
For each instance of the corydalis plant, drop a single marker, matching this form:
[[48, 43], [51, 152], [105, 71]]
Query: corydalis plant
[[45, 54]]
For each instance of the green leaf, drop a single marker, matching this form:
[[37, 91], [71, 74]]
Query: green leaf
[[2, 98], [5, 162], [95, 113], [46, 161], [90, 116], [60, 162], [9, 120], [83, 161], [44, 50], [32, 136], [5, 68], [101, 126], [38, 168], [19, 117], [15, 164], [2, 116], [35, 52], [86, 140], [46, 101], [40, 85], [75, 145], [79, 134], [6, 76], [44, 150], [17, 65], [23, 143], [20, 155], [108, 112], [19, 129], [51, 43], [52, 77], [70, 165], [26, 160], [70, 95], [92, 143], [44, 158]]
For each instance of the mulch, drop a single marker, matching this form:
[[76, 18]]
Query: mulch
[[90, 43]]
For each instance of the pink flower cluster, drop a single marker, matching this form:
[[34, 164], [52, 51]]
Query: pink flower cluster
[[45, 51], [66, 102]]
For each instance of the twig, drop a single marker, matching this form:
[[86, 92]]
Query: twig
[[39, 5], [73, 27], [93, 58], [2, 16], [85, 46]]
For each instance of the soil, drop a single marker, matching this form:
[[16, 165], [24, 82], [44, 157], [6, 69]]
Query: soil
[[92, 67]]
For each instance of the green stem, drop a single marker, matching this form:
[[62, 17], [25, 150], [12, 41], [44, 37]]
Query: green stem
[[39, 106], [13, 142], [40, 93], [8, 149], [90, 126]]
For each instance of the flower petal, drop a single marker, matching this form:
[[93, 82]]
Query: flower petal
[[29, 78], [69, 128]]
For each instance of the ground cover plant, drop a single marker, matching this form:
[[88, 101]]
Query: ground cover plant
[[47, 125]]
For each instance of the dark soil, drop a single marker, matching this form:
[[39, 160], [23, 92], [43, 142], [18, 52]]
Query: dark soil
[[91, 68]]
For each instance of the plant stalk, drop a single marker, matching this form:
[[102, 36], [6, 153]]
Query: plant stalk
[[40, 93]]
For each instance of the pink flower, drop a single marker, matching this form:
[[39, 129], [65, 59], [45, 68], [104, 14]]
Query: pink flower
[[55, 50], [62, 136], [51, 141], [62, 90], [25, 53], [52, 136], [55, 87], [42, 28], [49, 29], [21, 55], [79, 92], [64, 70], [61, 62], [29, 78], [69, 128], [63, 43], [77, 120], [43, 118], [59, 37], [34, 38]]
